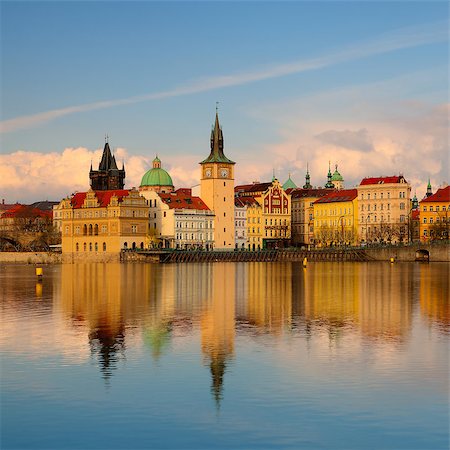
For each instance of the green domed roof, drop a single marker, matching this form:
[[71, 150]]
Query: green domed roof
[[336, 176], [156, 177]]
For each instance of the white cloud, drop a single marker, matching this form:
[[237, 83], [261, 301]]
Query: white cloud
[[31, 176]]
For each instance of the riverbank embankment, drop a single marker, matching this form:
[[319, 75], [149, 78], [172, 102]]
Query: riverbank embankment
[[436, 253]]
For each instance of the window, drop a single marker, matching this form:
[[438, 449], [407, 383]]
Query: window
[[67, 229], [424, 220], [77, 230], [402, 218], [402, 206], [84, 246], [431, 220], [164, 213], [431, 208], [77, 247], [104, 246], [90, 246], [134, 228], [104, 229], [96, 247], [425, 232]]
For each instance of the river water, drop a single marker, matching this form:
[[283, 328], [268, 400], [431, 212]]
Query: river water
[[225, 355]]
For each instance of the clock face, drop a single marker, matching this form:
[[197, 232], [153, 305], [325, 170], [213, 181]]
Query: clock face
[[208, 173], [224, 173]]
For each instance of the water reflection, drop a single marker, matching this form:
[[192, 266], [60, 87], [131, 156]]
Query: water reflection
[[111, 308]]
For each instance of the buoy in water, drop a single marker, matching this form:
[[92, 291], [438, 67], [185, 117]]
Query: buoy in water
[[39, 272]]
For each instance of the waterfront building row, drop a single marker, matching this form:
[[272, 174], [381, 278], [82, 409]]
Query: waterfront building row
[[253, 216]]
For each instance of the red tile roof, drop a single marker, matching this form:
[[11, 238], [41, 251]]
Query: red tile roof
[[255, 187], [441, 195], [382, 180], [182, 199], [246, 201], [345, 195], [306, 193], [25, 211], [103, 197]]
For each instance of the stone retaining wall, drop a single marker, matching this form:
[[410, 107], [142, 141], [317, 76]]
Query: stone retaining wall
[[30, 257]]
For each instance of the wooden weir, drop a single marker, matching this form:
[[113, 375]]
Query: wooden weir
[[188, 256]]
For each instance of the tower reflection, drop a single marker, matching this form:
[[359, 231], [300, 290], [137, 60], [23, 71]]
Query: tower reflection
[[218, 325]]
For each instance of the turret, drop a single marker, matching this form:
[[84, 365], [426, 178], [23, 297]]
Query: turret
[[329, 184], [307, 184]]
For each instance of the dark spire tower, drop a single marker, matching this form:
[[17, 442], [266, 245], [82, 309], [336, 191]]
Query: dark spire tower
[[307, 184], [108, 176], [429, 191], [329, 184]]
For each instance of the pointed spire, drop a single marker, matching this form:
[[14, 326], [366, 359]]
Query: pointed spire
[[329, 184], [216, 143], [307, 184], [429, 191]]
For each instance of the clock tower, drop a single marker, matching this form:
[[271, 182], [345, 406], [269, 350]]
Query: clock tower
[[217, 189]]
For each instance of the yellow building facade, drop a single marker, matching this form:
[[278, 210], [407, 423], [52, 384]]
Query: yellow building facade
[[384, 209], [434, 215], [99, 224], [302, 217], [336, 218]]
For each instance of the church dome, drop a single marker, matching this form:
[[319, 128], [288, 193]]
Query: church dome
[[156, 176], [336, 176]]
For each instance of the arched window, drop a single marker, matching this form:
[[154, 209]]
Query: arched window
[[96, 229], [84, 230], [134, 246], [77, 247], [125, 246], [142, 246], [104, 246], [90, 229], [90, 246], [96, 247], [84, 245]]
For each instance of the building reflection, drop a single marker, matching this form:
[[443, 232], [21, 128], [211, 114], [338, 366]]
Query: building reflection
[[269, 297], [105, 298], [435, 294], [385, 300], [370, 299], [161, 303], [330, 297]]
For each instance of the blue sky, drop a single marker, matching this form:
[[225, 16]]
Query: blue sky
[[361, 84]]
